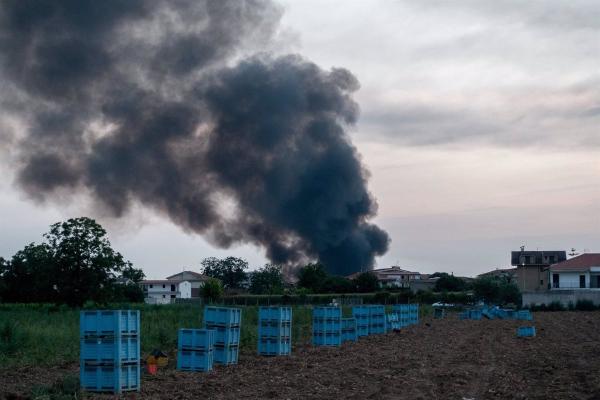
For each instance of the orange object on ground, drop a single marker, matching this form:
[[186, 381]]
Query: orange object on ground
[[152, 368]]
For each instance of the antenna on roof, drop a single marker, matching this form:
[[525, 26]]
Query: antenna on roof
[[523, 248], [573, 252]]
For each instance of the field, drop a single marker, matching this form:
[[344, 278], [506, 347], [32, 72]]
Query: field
[[438, 359]]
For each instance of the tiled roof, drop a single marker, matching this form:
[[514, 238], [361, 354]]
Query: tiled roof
[[580, 263]]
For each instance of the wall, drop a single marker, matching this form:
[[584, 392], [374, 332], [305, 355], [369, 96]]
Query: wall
[[570, 280], [562, 296], [528, 278]]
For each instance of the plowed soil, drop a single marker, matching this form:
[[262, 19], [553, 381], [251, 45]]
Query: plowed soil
[[437, 359]]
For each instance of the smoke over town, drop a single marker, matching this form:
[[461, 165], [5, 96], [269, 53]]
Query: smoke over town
[[155, 102]]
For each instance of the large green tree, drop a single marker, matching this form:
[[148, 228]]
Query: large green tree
[[367, 282], [448, 283], [267, 280], [74, 265], [312, 277], [231, 271]]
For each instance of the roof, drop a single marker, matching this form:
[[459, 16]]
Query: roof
[[538, 256], [383, 272], [499, 272], [156, 281], [188, 276], [582, 262]]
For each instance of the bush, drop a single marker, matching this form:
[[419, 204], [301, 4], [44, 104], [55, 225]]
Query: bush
[[212, 290], [585, 305], [12, 339], [556, 306]]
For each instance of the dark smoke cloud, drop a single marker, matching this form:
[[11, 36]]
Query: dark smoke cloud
[[140, 101]]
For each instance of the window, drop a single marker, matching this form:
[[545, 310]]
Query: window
[[164, 296], [581, 281], [151, 286], [555, 281], [172, 288], [541, 282], [164, 286], [172, 296]]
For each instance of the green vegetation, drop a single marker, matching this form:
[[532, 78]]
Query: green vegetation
[[267, 280], [75, 264]]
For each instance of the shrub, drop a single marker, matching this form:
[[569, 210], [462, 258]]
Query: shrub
[[212, 290], [585, 305]]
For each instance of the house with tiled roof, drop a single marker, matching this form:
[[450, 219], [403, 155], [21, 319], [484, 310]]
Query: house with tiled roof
[[183, 285], [392, 276], [580, 272]]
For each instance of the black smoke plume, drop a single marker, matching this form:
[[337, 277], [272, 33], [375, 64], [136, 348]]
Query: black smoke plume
[[155, 102]]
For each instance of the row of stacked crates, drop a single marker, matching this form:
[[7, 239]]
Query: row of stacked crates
[[327, 326], [392, 322], [349, 333], [362, 316], [226, 322], [408, 314], [370, 319], [195, 349], [495, 312], [274, 331], [109, 350]]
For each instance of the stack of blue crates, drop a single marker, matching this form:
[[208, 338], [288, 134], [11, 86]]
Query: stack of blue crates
[[109, 350], [413, 314], [523, 315], [349, 333], [361, 315], [327, 326], [376, 319], [274, 331], [226, 323], [392, 322], [403, 313], [526, 331], [195, 349]]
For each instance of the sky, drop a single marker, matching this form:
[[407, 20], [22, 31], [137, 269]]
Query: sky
[[478, 125]]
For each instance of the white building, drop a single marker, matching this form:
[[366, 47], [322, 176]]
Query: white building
[[581, 272], [392, 276], [184, 285]]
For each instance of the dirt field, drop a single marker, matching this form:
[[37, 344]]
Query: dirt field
[[438, 359]]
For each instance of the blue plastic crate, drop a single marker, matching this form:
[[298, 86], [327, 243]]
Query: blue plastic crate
[[524, 315], [225, 336], [226, 355], [526, 331], [194, 360], [333, 313], [109, 349], [196, 339], [377, 311], [401, 308], [274, 329], [362, 330], [222, 316], [392, 322], [110, 378], [360, 310], [349, 336], [327, 325], [275, 313], [376, 329], [270, 347], [348, 323], [327, 339], [109, 322]]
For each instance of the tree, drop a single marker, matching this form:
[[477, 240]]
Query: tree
[[29, 276], [230, 271], [312, 277], [212, 290], [449, 283], [85, 264], [496, 290], [337, 284], [267, 280], [367, 282]]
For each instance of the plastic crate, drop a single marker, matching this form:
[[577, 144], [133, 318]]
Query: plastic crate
[[526, 331], [524, 315], [110, 349], [333, 313], [226, 355], [193, 360], [361, 310], [327, 325], [401, 308], [274, 329], [222, 316], [327, 339], [275, 313], [376, 329], [109, 322], [362, 330], [196, 339], [348, 323], [270, 347], [110, 378], [225, 336]]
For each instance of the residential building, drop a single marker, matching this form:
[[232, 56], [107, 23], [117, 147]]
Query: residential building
[[392, 276], [532, 268], [424, 283], [184, 285], [580, 272]]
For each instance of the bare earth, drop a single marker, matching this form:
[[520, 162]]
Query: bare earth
[[438, 359]]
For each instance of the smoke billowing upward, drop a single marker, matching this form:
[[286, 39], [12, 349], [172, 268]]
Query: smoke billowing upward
[[148, 102]]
